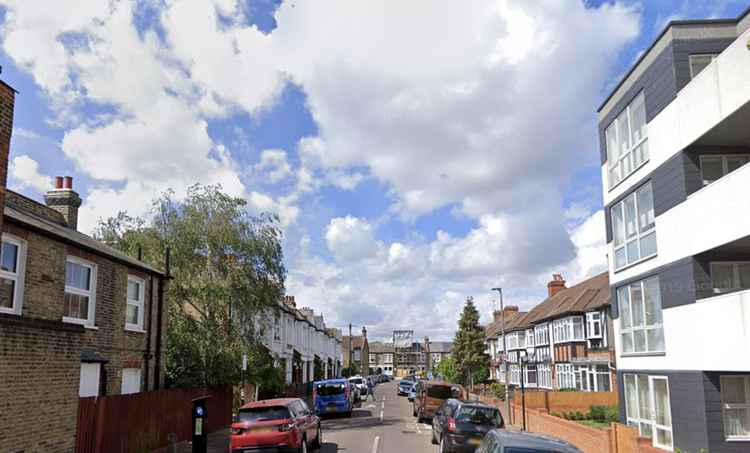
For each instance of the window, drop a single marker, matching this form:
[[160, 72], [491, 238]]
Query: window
[[627, 141], [135, 304], [565, 376], [541, 334], [735, 401], [634, 227], [568, 329], [80, 291], [12, 262], [594, 325], [715, 167], [277, 328], [530, 338], [545, 376], [641, 327], [530, 375], [131, 380], [647, 407], [88, 383], [730, 276], [699, 62]]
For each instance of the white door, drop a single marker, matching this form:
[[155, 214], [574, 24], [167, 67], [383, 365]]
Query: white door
[[661, 412], [89, 382], [131, 380]]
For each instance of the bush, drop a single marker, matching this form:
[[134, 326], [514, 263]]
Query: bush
[[498, 390], [598, 413], [568, 390], [613, 414]]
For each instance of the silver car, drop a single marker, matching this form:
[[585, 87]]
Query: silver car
[[502, 441]]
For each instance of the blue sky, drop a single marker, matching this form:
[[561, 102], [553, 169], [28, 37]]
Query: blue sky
[[415, 155]]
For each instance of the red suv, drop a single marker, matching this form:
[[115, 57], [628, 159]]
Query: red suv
[[284, 424]]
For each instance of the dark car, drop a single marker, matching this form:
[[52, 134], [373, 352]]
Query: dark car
[[284, 424], [333, 396], [460, 426], [501, 441]]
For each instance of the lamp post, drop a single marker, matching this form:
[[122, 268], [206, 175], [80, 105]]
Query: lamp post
[[505, 352], [523, 359]]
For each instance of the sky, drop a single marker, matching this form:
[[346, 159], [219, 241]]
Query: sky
[[417, 153]]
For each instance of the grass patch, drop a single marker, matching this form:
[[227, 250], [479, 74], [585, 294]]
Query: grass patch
[[594, 423]]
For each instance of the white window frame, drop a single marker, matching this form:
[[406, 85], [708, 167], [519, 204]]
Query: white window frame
[[541, 334], [645, 327], [735, 406], [650, 418], [616, 159], [735, 276], [141, 304], [18, 277], [695, 55], [544, 376], [593, 320], [530, 338], [565, 376], [724, 164], [91, 293], [639, 235], [127, 390]]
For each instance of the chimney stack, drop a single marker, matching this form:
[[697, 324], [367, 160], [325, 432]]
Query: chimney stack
[[556, 285], [497, 315], [64, 200]]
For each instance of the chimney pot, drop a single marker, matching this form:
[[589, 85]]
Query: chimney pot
[[556, 285], [58, 182], [68, 182], [66, 201]]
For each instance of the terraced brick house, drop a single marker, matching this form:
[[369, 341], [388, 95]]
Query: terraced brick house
[[675, 147]]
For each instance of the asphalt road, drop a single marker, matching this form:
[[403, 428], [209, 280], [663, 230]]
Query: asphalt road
[[385, 425]]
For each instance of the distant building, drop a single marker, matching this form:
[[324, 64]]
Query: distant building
[[358, 351]]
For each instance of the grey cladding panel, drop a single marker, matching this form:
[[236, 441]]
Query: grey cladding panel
[[668, 182], [684, 48], [714, 416]]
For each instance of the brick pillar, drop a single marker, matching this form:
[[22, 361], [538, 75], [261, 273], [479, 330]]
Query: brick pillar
[[7, 104]]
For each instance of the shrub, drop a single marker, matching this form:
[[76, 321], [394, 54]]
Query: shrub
[[598, 413], [498, 390], [579, 416], [613, 414]]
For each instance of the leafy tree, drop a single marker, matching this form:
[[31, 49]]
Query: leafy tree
[[448, 369], [468, 344], [227, 273]]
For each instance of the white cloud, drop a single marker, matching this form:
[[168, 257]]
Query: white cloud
[[274, 165], [351, 239], [24, 172]]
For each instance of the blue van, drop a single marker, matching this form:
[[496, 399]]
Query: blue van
[[332, 397]]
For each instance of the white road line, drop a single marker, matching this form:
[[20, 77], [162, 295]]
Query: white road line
[[375, 444], [381, 416]]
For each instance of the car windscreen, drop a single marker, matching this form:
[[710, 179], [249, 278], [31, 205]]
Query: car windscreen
[[479, 415], [263, 414], [357, 381], [439, 391], [330, 389]]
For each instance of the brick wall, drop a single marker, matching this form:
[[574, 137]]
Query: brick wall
[[7, 102], [40, 356]]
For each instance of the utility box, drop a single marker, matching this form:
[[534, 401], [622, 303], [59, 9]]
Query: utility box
[[200, 418]]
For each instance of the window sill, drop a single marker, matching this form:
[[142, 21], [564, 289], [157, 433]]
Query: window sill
[[80, 322], [134, 329], [738, 439], [635, 263], [9, 311], [643, 354]]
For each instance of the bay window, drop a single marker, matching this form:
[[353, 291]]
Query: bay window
[[647, 407], [568, 329], [641, 329], [627, 141], [80, 291], [541, 334], [735, 401], [730, 276], [12, 263], [634, 227], [565, 376], [714, 167], [544, 375]]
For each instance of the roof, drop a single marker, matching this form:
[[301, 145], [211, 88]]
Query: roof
[[661, 35], [69, 235], [378, 347], [265, 403], [512, 319], [444, 347], [525, 439], [588, 295]]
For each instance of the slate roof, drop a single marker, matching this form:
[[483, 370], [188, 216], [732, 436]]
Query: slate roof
[[378, 347], [444, 347], [512, 319]]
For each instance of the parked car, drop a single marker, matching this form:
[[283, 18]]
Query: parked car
[[359, 381], [280, 424], [413, 391], [501, 441], [460, 426], [404, 387], [355, 393], [432, 395], [333, 396]]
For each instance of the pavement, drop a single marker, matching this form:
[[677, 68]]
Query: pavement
[[385, 425]]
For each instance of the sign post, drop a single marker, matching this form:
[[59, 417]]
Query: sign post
[[200, 417]]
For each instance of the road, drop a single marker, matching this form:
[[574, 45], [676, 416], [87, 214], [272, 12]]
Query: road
[[385, 425]]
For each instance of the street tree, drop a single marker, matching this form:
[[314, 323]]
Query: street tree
[[468, 344], [447, 369], [228, 277]]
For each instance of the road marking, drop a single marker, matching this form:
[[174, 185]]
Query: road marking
[[381, 415], [375, 444]]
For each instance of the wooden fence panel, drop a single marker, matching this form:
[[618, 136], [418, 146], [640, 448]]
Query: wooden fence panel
[[85, 431]]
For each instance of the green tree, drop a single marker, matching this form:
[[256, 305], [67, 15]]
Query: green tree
[[468, 344], [228, 277], [448, 369]]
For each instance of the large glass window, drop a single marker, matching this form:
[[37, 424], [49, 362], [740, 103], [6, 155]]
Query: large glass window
[[594, 325], [11, 275], [714, 167], [634, 227], [735, 400], [627, 141], [730, 276], [565, 374], [641, 327], [79, 300], [647, 407], [541, 334], [135, 303], [568, 329]]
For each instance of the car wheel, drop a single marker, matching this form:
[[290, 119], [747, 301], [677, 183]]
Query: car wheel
[[318, 439]]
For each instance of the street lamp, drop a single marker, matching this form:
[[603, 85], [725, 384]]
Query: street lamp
[[505, 352], [523, 359]]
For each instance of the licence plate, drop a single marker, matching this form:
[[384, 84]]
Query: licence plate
[[262, 429], [475, 441], [331, 409]]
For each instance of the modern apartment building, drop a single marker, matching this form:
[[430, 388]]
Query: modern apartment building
[[675, 146], [565, 341]]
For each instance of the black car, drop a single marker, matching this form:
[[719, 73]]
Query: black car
[[501, 441], [460, 426]]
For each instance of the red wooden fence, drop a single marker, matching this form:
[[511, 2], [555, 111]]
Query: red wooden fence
[[141, 422]]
